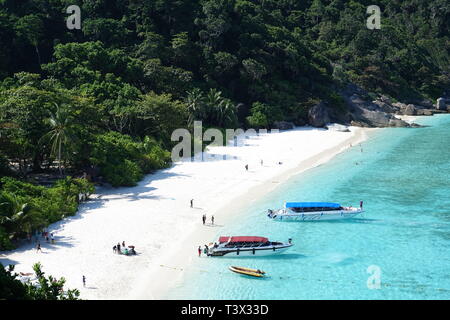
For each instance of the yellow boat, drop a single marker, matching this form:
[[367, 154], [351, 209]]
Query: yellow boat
[[247, 271]]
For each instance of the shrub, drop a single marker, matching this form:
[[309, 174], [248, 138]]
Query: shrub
[[126, 173], [123, 161], [5, 242], [264, 115], [26, 207]]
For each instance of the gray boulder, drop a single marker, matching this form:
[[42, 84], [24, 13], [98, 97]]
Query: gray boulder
[[385, 106], [425, 112], [318, 115], [410, 110], [283, 125], [421, 103], [369, 114], [441, 105], [382, 119]]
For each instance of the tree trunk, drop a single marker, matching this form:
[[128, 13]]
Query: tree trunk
[[38, 55], [59, 159]]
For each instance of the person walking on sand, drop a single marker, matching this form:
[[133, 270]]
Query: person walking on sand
[[212, 220], [246, 167], [192, 203], [199, 251], [204, 219], [84, 281], [38, 247]]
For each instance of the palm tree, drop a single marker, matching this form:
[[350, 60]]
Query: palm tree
[[60, 136], [195, 103], [213, 102], [15, 215], [226, 113]]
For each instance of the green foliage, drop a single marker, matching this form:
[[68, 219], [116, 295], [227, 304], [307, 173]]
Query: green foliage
[[10, 287], [111, 95], [45, 289], [125, 173], [25, 207], [263, 115], [123, 160], [160, 115], [4, 166], [49, 288]]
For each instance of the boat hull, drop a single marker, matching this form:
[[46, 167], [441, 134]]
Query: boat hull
[[315, 216], [249, 252], [247, 271]]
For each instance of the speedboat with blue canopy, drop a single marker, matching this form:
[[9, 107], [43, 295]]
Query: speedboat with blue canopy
[[314, 211]]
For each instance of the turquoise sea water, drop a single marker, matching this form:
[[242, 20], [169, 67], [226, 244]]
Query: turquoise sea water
[[403, 176]]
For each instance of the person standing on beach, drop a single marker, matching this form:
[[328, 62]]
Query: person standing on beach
[[192, 203], [118, 248], [204, 219], [246, 167], [212, 220], [84, 281], [199, 251]]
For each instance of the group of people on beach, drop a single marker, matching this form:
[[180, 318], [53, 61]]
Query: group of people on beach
[[122, 249], [204, 219], [48, 236], [205, 250]]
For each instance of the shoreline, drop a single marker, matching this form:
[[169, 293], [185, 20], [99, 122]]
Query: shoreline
[[155, 215], [173, 266]]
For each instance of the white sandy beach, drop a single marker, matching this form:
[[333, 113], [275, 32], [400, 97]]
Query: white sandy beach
[[156, 217]]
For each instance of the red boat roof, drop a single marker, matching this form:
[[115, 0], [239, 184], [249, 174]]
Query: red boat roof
[[242, 239]]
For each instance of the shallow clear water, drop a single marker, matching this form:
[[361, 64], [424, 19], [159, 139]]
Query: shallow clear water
[[403, 176]]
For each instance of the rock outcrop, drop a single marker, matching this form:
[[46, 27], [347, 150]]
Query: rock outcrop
[[364, 112], [318, 115], [370, 114]]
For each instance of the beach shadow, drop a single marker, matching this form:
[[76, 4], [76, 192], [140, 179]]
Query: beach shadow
[[213, 225], [6, 262]]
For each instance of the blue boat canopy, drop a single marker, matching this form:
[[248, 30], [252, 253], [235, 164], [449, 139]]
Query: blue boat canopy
[[312, 205]]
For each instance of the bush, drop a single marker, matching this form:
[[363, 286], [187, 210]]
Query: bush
[[264, 115], [126, 173], [123, 161], [4, 167], [154, 157], [26, 207], [5, 242]]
